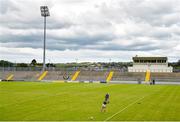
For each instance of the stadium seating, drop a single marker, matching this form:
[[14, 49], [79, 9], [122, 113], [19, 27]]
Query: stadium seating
[[87, 76], [92, 76], [20, 75]]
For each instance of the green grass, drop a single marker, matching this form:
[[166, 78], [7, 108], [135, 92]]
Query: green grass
[[80, 101]]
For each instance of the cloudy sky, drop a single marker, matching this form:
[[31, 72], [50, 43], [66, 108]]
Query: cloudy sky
[[90, 30]]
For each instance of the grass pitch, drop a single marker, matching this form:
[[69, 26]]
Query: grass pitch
[[81, 101]]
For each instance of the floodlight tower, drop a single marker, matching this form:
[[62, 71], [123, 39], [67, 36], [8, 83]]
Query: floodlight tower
[[44, 13]]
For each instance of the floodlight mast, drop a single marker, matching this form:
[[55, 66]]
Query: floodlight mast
[[44, 13]]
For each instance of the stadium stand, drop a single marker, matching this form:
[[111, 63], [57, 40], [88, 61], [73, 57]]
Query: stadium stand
[[128, 76], [92, 76], [59, 75], [88, 76], [20, 75]]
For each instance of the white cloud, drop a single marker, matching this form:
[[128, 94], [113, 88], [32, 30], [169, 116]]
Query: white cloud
[[90, 30]]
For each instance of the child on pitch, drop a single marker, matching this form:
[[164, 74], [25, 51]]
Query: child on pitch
[[103, 108]]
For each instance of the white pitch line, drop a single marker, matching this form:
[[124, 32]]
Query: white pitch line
[[123, 109]]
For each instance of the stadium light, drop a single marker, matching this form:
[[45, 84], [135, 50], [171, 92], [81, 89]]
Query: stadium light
[[44, 13]]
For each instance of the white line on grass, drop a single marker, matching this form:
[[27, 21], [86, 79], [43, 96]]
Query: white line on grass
[[123, 109]]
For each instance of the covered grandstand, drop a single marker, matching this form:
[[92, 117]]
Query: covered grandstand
[[154, 64]]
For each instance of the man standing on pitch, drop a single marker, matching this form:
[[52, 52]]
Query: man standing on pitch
[[105, 102], [107, 98]]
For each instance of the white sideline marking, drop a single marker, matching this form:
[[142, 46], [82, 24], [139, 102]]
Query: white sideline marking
[[123, 109]]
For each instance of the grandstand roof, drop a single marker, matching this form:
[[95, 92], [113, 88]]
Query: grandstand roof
[[149, 58]]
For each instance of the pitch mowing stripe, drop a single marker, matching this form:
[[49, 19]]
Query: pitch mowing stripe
[[43, 97], [124, 109], [39, 98]]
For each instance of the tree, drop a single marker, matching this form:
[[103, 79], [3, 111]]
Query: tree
[[4, 63], [22, 65], [178, 63], [33, 62], [50, 65]]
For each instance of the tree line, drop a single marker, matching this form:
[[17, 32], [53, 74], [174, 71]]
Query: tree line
[[34, 63]]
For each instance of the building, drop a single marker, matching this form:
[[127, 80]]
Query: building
[[154, 64]]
